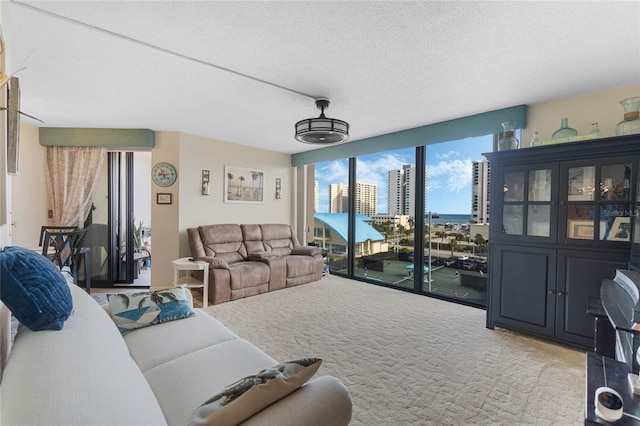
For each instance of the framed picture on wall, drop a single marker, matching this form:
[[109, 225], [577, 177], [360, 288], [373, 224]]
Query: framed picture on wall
[[243, 185], [163, 198]]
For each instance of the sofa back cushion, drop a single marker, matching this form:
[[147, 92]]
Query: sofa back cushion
[[279, 239], [223, 241], [80, 375], [252, 235]]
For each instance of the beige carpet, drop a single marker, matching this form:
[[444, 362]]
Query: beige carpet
[[414, 360]]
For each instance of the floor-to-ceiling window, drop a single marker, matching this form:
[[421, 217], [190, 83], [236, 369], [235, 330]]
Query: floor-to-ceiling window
[[331, 205], [456, 219], [451, 182], [414, 205], [385, 235]]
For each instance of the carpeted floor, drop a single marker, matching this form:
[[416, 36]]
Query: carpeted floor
[[414, 360]]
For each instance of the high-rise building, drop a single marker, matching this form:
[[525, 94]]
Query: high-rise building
[[315, 196], [394, 192], [338, 198], [366, 198], [401, 191], [480, 191]]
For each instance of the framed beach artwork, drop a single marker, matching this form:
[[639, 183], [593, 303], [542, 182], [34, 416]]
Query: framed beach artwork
[[243, 185]]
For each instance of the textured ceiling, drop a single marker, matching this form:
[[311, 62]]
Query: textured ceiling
[[385, 65]]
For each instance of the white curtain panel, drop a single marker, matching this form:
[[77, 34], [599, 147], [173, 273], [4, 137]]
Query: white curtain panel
[[72, 174]]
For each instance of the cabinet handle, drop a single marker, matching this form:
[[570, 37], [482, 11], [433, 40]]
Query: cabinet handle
[[551, 292], [560, 293]]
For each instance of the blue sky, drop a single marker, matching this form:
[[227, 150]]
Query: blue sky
[[448, 173]]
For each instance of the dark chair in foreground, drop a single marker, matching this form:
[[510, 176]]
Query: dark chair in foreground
[[620, 301], [48, 228], [63, 248]]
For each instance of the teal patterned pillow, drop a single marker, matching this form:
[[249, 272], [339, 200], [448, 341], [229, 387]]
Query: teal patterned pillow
[[142, 309]]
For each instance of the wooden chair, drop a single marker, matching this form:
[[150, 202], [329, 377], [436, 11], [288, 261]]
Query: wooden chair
[[63, 248]]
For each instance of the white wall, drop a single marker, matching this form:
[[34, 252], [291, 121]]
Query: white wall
[[164, 217], [600, 107], [29, 190], [5, 180], [197, 154], [142, 187]]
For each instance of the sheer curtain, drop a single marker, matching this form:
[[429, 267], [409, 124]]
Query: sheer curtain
[[72, 174]]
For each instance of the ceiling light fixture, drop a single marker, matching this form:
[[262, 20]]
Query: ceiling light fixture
[[322, 130]]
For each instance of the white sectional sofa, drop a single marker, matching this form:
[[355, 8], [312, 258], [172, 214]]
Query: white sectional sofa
[[89, 374]]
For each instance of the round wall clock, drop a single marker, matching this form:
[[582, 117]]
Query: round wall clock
[[164, 174]]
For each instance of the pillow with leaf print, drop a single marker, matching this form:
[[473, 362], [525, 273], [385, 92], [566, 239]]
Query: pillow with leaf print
[[246, 397], [142, 309]]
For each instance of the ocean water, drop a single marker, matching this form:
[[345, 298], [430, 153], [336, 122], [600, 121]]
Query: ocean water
[[449, 218]]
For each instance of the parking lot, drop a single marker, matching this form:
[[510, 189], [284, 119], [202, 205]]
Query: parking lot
[[445, 280]]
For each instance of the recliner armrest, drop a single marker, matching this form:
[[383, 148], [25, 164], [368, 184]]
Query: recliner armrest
[[306, 251], [215, 263], [261, 255]]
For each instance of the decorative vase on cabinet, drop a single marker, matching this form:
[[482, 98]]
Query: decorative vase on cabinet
[[631, 123], [564, 131], [508, 140]]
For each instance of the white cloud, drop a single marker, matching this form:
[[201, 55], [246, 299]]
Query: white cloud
[[447, 155], [453, 176]]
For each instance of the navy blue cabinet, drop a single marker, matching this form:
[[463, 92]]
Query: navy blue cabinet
[[562, 218]]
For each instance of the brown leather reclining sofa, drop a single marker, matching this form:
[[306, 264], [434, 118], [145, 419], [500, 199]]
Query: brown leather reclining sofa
[[245, 260]]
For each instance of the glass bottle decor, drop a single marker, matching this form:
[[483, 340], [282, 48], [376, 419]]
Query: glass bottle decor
[[631, 123], [595, 130], [564, 131], [534, 138], [508, 140]]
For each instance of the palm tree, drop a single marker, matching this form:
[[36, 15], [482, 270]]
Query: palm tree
[[230, 178], [254, 177], [454, 246], [241, 179], [479, 240], [441, 235]]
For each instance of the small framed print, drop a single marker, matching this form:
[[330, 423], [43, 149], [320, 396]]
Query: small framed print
[[621, 229], [278, 188], [163, 198]]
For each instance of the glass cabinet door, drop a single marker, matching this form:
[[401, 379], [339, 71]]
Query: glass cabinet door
[[527, 203], [599, 204], [539, 208]]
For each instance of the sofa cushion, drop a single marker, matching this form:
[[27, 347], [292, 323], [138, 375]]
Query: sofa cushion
[[142, 309], [80, 375], [183, 384], [252, 235], [34, 289], [278, 239], [301, 266], [223, 241], [248, 274], [246, 397], [149, 346]]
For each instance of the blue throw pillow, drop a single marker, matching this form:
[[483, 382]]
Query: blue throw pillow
[[34, 289]]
